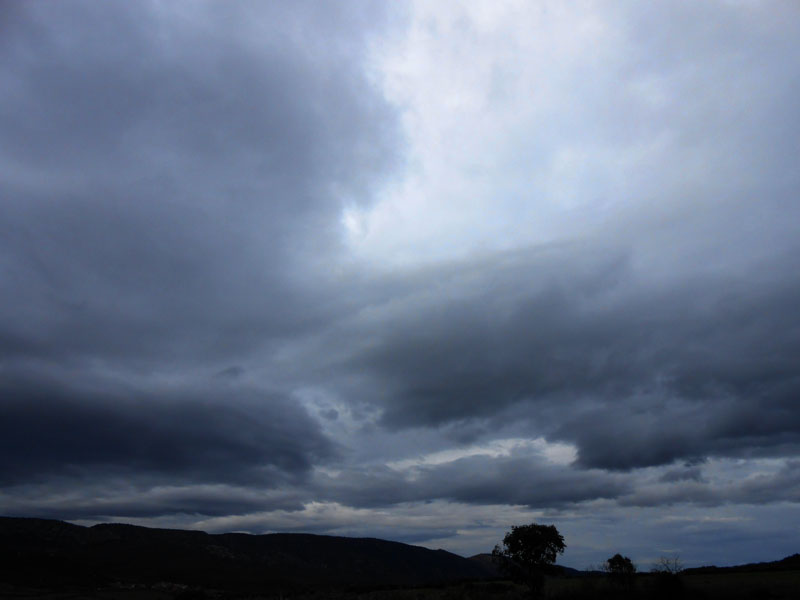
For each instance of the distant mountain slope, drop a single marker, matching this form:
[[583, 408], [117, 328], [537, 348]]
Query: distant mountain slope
[[487, 562], [54, 552], [790, 563]]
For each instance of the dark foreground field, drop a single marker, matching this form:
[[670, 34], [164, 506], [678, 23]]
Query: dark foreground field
[[734, 586]]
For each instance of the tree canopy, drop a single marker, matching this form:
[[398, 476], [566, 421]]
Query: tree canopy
[[528, 552], [621, 569]]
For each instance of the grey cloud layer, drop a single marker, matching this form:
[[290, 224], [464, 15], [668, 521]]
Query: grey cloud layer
[[473, 480], [172, 173], [636, 372], [173, 287]]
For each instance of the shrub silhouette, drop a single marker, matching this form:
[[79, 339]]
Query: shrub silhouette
[[670, 566], [621, 570], [667, 583]]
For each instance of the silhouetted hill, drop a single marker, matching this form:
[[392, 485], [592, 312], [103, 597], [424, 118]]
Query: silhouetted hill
[[790, 563], [487, 563], [49, 552]]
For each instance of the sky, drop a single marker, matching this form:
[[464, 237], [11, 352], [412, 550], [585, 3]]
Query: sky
[[412, 270]]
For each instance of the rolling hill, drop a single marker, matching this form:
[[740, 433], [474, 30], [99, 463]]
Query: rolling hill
[[52, 553]]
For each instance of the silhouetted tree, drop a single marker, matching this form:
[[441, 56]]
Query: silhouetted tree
[[667, 583], [528, 552], [621, 569], [670, 566]]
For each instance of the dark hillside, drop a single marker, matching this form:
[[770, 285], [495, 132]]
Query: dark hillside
[[487, 563], [790, 563], [45, 552]]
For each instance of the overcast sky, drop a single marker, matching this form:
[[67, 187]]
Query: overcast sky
[[419, 271]]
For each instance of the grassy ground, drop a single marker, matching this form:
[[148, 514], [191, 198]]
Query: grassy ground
[[727, 586]]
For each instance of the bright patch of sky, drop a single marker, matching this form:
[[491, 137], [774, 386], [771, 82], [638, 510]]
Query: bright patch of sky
[[556, 453]]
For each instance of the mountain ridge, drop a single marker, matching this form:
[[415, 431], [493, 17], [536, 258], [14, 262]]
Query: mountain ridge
[[57, 552]]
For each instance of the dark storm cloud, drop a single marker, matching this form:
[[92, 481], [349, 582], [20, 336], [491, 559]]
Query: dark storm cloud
[[183, 333], [224, 434], [169, 168], [582, 347], [170, 175]]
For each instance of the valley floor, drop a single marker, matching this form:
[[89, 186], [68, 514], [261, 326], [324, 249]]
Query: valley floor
[[727, 586]]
